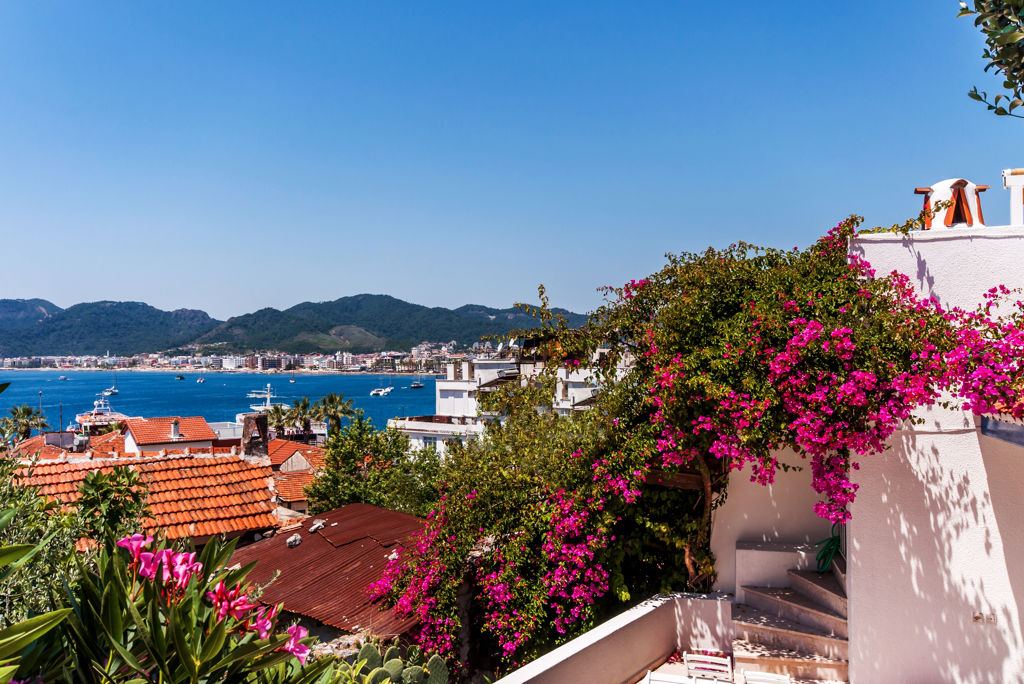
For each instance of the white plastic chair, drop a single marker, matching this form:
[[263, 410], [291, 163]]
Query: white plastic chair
[[666, 678], [766, 678], [706, 668]]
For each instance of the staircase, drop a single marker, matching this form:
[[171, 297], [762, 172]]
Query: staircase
[[800, 629]]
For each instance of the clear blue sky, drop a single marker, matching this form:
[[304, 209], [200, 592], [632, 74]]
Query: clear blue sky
[[233, 155]]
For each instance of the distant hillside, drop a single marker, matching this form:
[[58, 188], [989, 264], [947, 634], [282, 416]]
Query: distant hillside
[[366, 323], [96, 327], [21, 313], [360, 323]]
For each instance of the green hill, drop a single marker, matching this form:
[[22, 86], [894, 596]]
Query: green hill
[[96, 327], [21, 313]]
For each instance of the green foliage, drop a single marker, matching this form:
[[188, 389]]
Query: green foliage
[[332, 408], [33, 586], [127, 628], [112, 504], [364, 465], [23, 420], [370, 667], [1002, 23]]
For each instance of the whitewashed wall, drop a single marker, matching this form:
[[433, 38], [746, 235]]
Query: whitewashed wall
[[936, 534], [781, 513]]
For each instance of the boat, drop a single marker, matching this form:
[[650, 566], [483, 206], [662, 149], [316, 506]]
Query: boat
[[416, 384], [266, 395], [63, 377], [100, 416], [112, 390], [201, 378], [377, 392], [292, 379], [179, 377]]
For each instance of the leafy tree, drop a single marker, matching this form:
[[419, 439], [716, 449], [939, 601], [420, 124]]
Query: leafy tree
[[277, 418], [332, 408], [364, 465], [1002, 23], [300, 414], [23, 420], [111, 504]]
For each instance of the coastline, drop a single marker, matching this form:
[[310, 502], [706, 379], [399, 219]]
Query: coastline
[[212, 371]]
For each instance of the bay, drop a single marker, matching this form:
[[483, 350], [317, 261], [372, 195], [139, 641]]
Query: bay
[[223, 395]]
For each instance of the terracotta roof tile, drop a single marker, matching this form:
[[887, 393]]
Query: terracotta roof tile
[[158, 430], [183, 490], [280, 450], [289, 485]]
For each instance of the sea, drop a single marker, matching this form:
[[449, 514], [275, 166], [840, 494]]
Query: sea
[[220, 398]]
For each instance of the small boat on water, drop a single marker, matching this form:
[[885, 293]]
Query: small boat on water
[[265, 394], [416, 384], [201, 379], [179, 377], [63, 377], [112, 390]]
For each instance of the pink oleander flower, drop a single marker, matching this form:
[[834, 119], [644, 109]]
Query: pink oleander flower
[[134, 545], [183, 568], [299, 650], [263, 622], [231, 602]]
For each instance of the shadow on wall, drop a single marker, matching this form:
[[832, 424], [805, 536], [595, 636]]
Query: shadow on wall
[[934, 542]]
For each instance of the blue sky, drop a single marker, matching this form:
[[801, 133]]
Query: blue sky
[[233, 155]]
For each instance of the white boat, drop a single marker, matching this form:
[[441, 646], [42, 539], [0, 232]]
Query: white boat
[[112, 390], [416, 384], [201, 378], [100, 416], [378, 392], [265, 394]]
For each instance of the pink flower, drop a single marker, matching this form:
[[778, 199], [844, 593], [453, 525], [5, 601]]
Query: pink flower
[[134, 545], [263, 621], [230, 601], [299, 650]]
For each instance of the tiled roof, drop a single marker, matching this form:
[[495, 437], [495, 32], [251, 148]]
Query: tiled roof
[[289, 485], [325, 577], [112, 442], [280, 450], [158, 430], [189, 496], [35, 447]]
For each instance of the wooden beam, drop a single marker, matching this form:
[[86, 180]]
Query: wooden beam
[[676, 480]]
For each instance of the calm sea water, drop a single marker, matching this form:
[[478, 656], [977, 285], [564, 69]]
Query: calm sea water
[[220, 398]]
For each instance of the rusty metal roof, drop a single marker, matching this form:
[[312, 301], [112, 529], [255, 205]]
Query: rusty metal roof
[[325, 577]]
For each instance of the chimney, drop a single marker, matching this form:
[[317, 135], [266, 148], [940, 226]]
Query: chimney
[[963, 203], [1013, 180], [450, 371], [254, 435], [175, 429]]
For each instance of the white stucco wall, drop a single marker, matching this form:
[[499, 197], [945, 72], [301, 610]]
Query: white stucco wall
[[780, 513], [934, 536]]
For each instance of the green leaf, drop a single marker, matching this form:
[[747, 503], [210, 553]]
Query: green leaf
[[14, 552], [185, 652], [15, 638]]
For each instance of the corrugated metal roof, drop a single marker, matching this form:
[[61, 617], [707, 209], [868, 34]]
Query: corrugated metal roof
[[325, 577]]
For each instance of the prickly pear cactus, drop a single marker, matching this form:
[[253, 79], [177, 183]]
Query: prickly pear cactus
[[414, 656], [394, 668], [392, 653], [414, 675], [437, 671], [371, 655], [378, 676]]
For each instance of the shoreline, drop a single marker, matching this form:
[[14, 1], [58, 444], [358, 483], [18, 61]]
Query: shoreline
[[215, 371]]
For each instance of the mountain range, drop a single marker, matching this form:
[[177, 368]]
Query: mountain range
[[360, 323]]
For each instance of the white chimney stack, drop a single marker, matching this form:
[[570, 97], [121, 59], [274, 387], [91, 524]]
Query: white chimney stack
[[963, 203], [175, 431], [1013, 180]]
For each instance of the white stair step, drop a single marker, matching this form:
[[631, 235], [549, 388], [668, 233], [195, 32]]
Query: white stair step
[[822, 588], [756, 657], [839, 571], [763, 627], [792, 605]]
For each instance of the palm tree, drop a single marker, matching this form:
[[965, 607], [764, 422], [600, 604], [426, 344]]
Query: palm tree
[[277, 418], [23, 420], [332, 408], [300, 414]]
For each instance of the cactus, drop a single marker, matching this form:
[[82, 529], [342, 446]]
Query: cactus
[[371, 656], [394, 668], [392, 653], [378, 676], [437, 671], [414, 656], [414, 675]]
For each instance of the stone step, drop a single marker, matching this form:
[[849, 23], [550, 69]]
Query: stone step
[[792, 605], [823, 588], [749, 656], [776, 631], [839, 571]]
